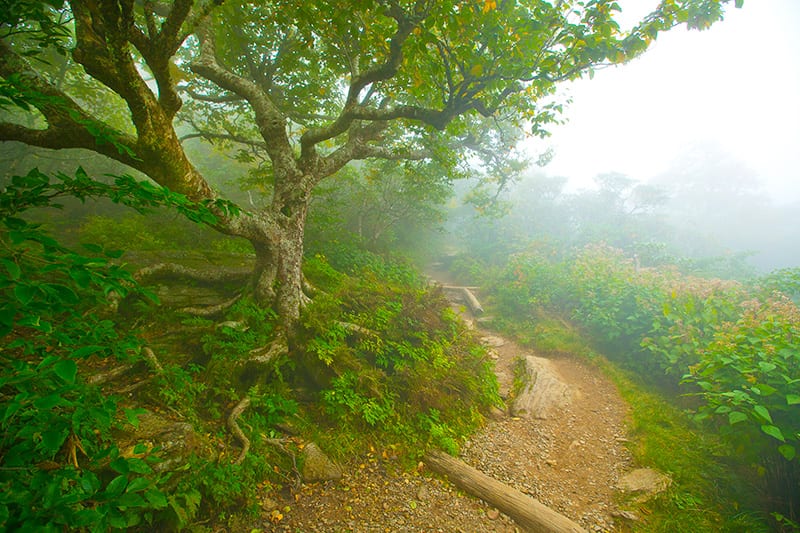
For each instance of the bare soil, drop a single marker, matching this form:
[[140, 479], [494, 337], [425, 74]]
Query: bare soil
[[570, 460]]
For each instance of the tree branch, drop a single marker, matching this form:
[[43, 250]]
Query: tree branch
[[405, 25], [270, 121], [68, 125]]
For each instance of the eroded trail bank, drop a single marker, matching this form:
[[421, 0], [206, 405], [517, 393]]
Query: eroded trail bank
[[564, 447]]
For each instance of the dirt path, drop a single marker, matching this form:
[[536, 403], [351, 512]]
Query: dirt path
[[570, 459]]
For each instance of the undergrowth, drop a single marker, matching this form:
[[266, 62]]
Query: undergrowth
[[707, 493], [390, 361]]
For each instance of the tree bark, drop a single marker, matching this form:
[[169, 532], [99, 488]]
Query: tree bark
[[529, 513]]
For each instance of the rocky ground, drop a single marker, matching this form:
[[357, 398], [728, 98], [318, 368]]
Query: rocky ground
[[565, 449]]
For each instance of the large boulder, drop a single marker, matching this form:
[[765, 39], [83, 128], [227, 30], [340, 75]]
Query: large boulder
[[544, 391]]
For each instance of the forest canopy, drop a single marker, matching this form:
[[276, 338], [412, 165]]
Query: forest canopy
[[304, 89]]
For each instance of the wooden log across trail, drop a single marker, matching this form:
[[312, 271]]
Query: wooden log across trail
[[472, 302], [530, 514]]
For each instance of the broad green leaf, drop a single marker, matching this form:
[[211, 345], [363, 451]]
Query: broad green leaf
[[116, 486], [12, 268], [130, 499], [81, 276], [85, 351], [156, 498], [120, 465], [788, 451], [138, 466], [49, 401], [792, 399], [53, 440], [773, 431], [766, 367], [25, 293], [66, 369], [763, 413], [734, 417], [138, 484]]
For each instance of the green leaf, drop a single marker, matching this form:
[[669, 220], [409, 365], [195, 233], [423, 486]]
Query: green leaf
[[132, 415], [774, 432], [156, 498], [138, 466], [766, 367], [66, 369], [81, 277], [787, 451], [130, 499], [792, 399], [734, 417], [120, 465], [85, 351], [12, 268], [25, 293], [762, 413], [49, 401], [116, 486], [138, 484], [53, 440]]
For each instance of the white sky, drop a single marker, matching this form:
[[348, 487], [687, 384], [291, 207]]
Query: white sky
[[737, 83]]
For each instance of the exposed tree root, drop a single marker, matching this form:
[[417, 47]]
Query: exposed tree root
[[236, 430], [133, 386], [309, 289], [280, 444], [104, 377], [278, 346], [211, 310], [173, 271]]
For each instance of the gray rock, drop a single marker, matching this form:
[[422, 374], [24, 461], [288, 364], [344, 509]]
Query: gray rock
[[317, 466], [644, 483], [423, 493], [544, 391]]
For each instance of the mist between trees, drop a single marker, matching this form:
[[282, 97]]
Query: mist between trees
[[302, 148], [707, 214]]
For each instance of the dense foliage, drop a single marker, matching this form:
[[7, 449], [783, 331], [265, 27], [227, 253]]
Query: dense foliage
[[732, 348], [390, 356], [60, 466]]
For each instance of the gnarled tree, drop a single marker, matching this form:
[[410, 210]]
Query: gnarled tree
[[313, 86]]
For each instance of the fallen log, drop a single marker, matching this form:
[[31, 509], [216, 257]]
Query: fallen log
[[472, 302], [530, 514]]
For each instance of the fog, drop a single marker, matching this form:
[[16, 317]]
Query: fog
[[734, 85], [711, 120]]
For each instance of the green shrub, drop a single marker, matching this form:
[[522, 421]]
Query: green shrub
[[59, 466], [384, 353]]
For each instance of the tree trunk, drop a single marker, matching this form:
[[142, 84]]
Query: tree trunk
[[277, 238], [529, 513]]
